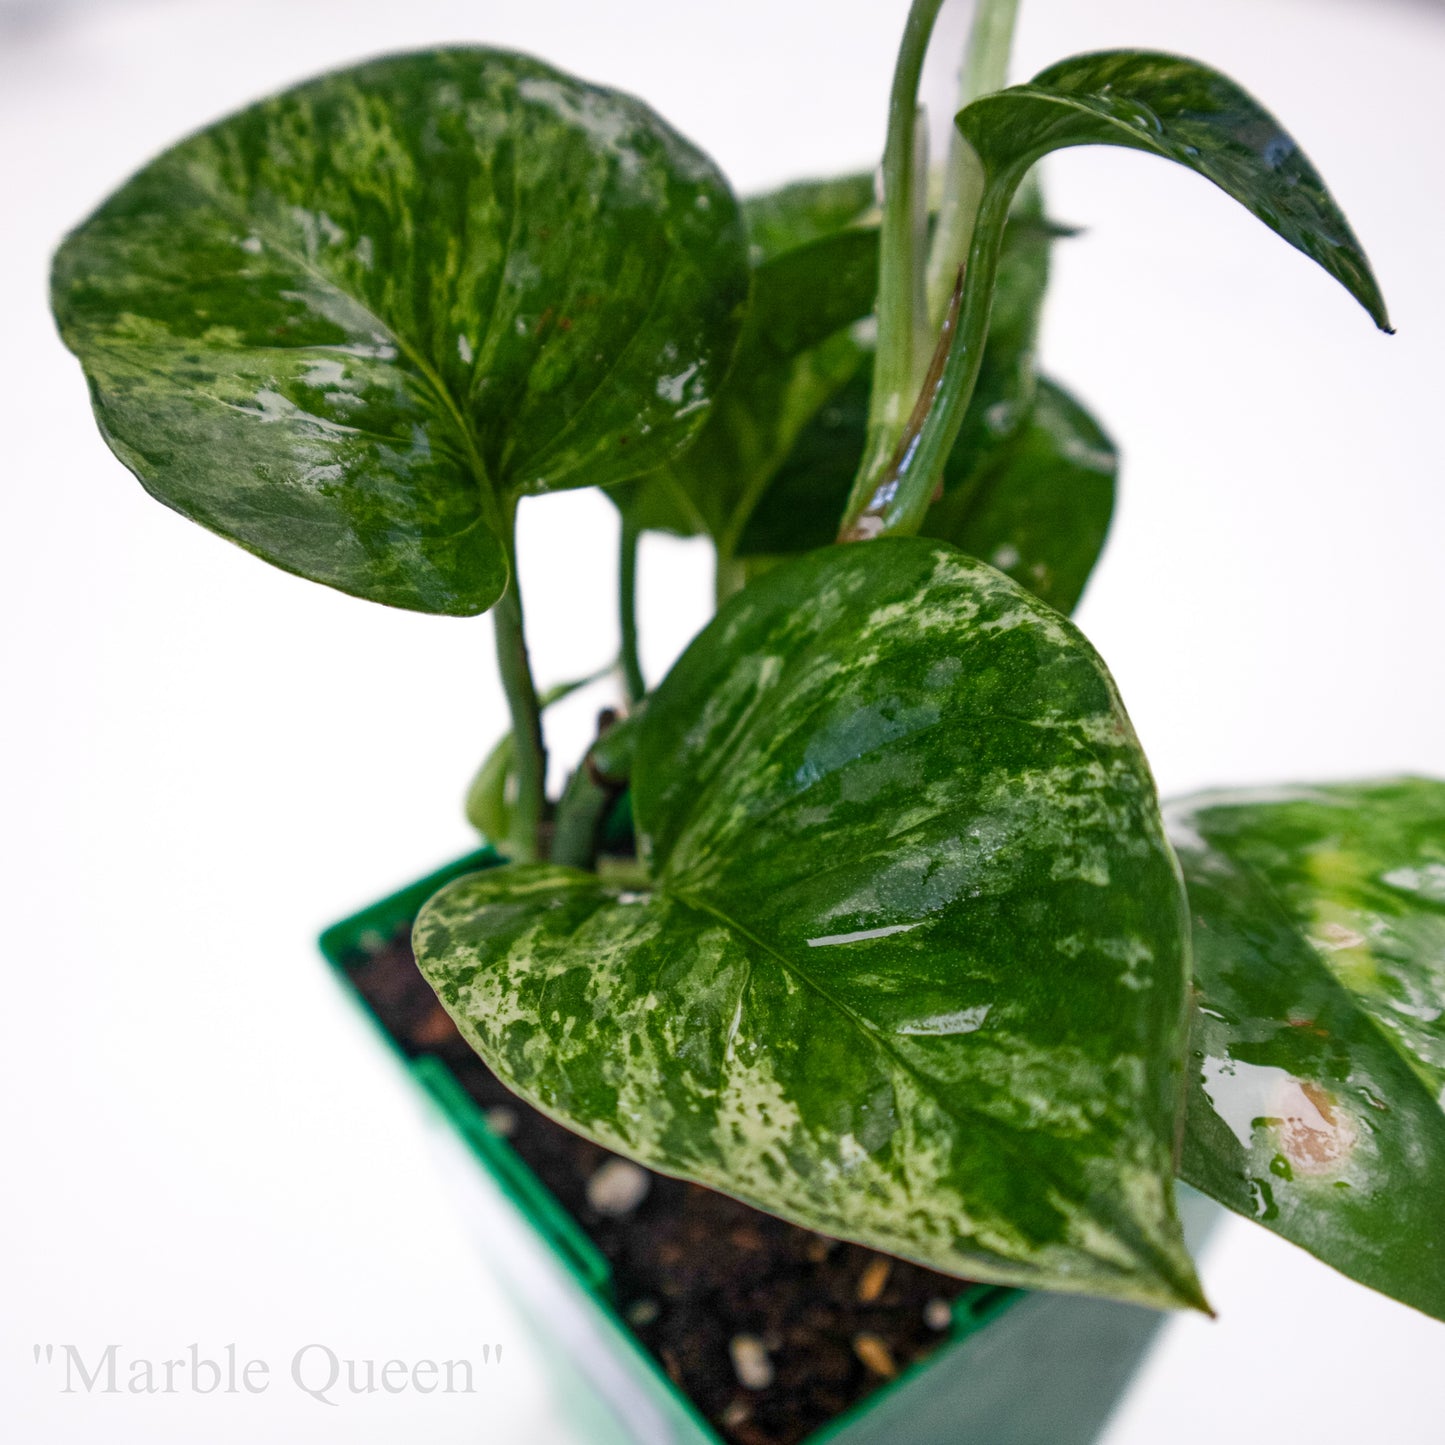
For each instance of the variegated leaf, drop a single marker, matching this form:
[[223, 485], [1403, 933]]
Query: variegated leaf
[[911, 966], [795, 351], [1187, 113], [345, 326], [1317, 1080]]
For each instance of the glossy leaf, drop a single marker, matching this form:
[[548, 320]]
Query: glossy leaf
[[1004, 392], [342, 326], [805, 211], [803, 502], [1187, 113], [778, 378], [1171, 107], [1036, 505], [795, 351], [1317, 1080], [911, 968], [1041, 507]]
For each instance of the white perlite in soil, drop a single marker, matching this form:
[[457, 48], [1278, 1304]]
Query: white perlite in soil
[[750, 1362], [617, 1188]]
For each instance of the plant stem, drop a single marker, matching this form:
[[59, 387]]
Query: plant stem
[[984, 69], [634, 685], [891, 492], [530, 760], [896, 363], [906, 488]]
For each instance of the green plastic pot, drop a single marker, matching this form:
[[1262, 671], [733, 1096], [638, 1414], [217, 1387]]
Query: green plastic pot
[[1015, 1368]]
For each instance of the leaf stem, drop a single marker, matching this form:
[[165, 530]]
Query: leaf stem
[[634, 685], [984, 69], [891, 492], [903, 492], [530, 754], [896, 363]]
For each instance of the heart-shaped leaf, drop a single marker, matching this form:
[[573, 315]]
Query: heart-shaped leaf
[[911, 967], [1317, 1078], [344, 326], [1187, 113]]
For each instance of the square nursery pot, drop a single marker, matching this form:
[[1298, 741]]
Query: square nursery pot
[[1015, 1367]]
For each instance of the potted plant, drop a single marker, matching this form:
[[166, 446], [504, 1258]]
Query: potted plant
[[866, 914]]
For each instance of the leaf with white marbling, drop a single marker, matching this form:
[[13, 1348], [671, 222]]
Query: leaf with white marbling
[[1317, 1075], [911, 966], [347, 325]]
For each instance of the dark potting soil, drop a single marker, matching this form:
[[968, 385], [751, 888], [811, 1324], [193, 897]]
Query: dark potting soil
[[772, 1330]]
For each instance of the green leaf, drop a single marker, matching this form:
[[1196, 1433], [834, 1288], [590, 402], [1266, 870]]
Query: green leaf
[[1007, 379], [490, 793], [805, 211], [1040, 510], [803, 502], [795, 351], [776, 381], [1317, 1080], [800, 507], [911, 969], [343, 326], [489, 800], [1036, 505], [1187, 113], [1162, 104]]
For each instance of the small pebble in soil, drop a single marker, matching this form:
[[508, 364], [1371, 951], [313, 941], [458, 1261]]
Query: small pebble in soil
[[643, 1312], [502, 1121], [617, 1188], [875, 1355], [938, 1314], [819, 1248], [750, 1362], [874, 1279], [434, 1029], [714, 1269], [737, 1413]]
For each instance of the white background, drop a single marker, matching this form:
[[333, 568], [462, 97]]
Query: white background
[[205, 760]]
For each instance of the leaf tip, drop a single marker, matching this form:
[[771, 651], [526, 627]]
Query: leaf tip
[[1194, 1298]]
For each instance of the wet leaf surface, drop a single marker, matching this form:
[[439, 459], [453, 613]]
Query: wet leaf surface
[[1317, 1074], [911, 966], [341, 326], [1187, 113], [1036, 505], [802, 504], [1040, 509], [794, 353]]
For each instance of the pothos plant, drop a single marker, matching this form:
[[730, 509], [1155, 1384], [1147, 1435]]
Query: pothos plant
[[902, 948]]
